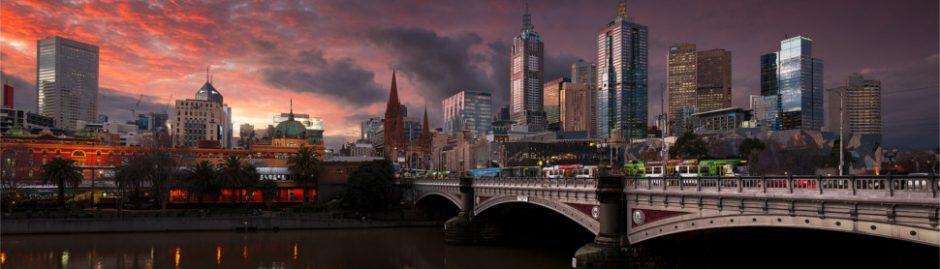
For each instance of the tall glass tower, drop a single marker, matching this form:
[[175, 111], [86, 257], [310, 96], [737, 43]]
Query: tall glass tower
[[67, 81], [622, 67], [797, 97], [527, 77]]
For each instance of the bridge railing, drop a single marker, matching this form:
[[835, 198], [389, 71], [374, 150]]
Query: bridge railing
[[906, 186], [516, 182]]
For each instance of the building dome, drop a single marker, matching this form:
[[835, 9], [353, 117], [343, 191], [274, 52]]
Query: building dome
[[17, 131], [290, 129]]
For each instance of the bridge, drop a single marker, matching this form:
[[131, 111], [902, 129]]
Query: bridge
[[627, 210]]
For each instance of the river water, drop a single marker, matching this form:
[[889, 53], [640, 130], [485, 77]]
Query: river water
[[365, 248], [425, 248]]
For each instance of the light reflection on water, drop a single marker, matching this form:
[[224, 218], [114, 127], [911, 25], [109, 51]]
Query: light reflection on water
[[376, 248]]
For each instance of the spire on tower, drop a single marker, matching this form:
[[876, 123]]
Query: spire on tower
[[622, 9], [527, 19], [290, 116]]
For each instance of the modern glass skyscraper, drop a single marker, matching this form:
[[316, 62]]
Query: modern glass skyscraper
[[552, 102], [67, 81], [527, 77], [681, 84], [797, 98], [622, 64], [468, 110]]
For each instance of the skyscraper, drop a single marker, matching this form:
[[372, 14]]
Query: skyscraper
[[698, 81], [468, 110], [681, 82], [527, 77], [713, 83], [586, 73], [792, 83], [369, 129], [861, 107], [622, 65], [67, 81], [552, 102], [575, 112]]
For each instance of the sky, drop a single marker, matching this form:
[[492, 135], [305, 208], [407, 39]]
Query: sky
[[335, 58]]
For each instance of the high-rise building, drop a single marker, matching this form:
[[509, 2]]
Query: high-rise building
[[552, 102], [698, 81], [681, 84], [575, 107], [67, 81], [622, 74], [369, 128], [792, 84], [861, 108], [6, 98], [713, 83], [586, 73], [468, 110], [527, 77], [503, 114], [202, 121], [102, 118]]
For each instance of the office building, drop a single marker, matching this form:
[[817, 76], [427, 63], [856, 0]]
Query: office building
[[622, 74], [722, 119], [575, 112], [527, 78], [861, 108], [792, 85], [67, 81], [697, 81], [468, 110], [586, 73], [552, 102], [200, 122], [369, 128]]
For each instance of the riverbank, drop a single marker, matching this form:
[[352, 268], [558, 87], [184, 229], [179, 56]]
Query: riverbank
[[207, 223]]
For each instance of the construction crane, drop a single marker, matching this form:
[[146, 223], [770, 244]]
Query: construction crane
[[136, 106]]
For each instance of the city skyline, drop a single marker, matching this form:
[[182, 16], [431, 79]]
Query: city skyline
[[320, 76]]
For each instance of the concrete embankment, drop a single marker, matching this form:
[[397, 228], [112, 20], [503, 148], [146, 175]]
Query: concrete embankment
[[160, 224]]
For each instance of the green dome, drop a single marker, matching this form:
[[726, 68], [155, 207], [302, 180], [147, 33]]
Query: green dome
[[17, 131], [290, 129]]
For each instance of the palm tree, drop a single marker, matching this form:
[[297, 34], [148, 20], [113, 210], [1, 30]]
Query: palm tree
[[304, 166], [250, 179], [232, 172], [63, 173], [268, 192], [202, 181]]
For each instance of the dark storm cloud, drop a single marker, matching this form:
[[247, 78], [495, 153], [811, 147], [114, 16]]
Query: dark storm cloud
[[440, 65], [117, 105], [342, 79]]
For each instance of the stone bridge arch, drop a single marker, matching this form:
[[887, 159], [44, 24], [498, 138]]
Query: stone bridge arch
[[585, 217], [454, 199]]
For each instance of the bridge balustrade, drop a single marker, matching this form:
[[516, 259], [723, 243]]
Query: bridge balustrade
[[864, 186]]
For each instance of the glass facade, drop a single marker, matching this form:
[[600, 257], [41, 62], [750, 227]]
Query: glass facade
[[681, 83], [527, 77], [794, 80], [67, 81], [468, 110], [622, 84]]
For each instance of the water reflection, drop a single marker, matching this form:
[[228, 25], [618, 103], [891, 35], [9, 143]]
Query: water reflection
[[379, 248]]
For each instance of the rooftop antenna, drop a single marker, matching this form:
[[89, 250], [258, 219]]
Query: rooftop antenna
[[207, 73]]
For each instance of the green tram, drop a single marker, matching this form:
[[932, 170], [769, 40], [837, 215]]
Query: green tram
[[688, 168]]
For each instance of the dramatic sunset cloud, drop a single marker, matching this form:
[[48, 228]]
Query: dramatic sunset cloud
[[335, 58]]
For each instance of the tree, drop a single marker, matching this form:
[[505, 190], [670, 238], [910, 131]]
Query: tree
[[155, 168], [268, 192], [370, 187], [689, 146], [63, 173], [304, 167], [249, 181], [750, 149], [832, 160], [232, 172], [202, 180]]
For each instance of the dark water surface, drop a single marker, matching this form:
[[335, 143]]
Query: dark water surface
[[369, 248], [425, 248]]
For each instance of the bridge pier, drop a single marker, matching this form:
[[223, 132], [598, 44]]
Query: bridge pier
[[608, 248], [460, 229]]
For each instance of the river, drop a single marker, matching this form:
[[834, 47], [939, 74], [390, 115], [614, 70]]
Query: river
[[425, 248]]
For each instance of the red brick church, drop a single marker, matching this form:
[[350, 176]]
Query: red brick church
[[414, 154]]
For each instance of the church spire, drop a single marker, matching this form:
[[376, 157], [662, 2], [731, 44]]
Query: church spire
[[393, 104], [425, 130]]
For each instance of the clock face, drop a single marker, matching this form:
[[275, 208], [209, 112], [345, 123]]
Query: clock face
[[638, 217], [595, 212]]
